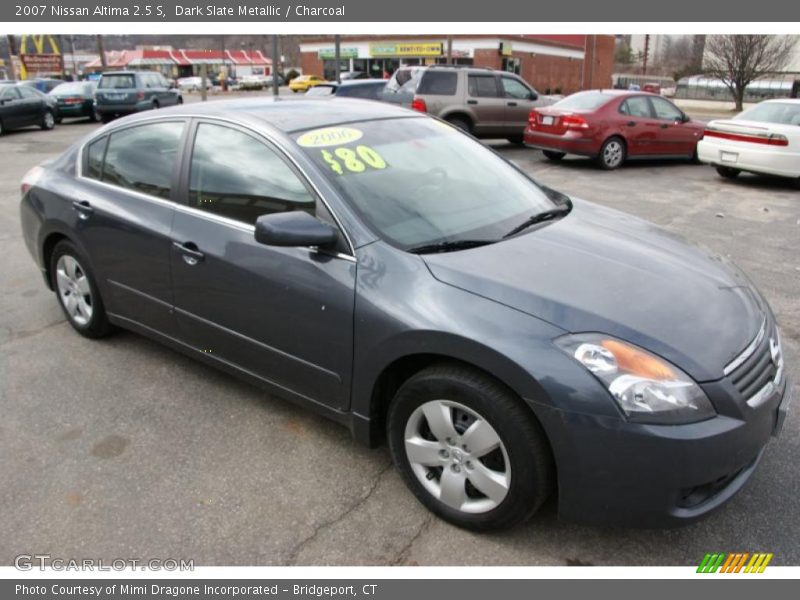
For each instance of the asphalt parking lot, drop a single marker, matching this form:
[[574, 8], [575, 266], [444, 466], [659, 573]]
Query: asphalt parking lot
[[124, 449]]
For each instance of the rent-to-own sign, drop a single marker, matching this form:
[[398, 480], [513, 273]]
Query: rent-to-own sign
[[406, 49]]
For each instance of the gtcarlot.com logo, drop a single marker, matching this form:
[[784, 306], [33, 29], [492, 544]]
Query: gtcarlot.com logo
[[737, 562]]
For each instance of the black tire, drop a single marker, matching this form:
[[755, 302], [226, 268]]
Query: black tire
[[97, 326], [728, 172], [105, 118], [156, 105], [2, 129], [612, 153], [180, 100], [553, 155], [94, 116], [516, 139], [460, 123], [528, 453], [48, 120]]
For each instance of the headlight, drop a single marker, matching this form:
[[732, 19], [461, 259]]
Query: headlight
[[648, 389]]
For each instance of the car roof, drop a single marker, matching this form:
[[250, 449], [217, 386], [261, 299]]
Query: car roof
[[123, 73], [789, 100], [290, 114]]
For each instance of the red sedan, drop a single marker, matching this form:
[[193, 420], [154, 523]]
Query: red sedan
[[612, 126]]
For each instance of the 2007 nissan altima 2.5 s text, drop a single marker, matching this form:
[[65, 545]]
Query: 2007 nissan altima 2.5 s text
[[389, 271]]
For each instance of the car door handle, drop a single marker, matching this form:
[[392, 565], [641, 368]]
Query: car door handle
[[189, 252], [664, 126], [83, 207], [472, 101], [631, 123], [512, 104]]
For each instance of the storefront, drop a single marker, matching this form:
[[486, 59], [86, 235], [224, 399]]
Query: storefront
[[554, 64]]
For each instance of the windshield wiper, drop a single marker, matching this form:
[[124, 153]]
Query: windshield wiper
[[448, 246], [545, 215]]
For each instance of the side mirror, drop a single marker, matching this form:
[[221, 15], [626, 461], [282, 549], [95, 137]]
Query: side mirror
[[533, 96], [295, 228]]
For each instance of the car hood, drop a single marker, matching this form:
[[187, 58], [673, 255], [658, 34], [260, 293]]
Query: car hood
[[600, 270]]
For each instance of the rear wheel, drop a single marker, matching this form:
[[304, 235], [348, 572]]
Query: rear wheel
[[460, 123], [77, 291], [553, 155], [612, 154], [469, 449], [728, 172], [48, 120]]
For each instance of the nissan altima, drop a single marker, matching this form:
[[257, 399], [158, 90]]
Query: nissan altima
[[384, 269]]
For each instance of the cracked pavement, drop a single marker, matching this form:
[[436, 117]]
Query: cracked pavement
[[124, 449]]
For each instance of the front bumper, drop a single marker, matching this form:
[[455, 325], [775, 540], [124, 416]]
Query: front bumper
[[746, 157], [614, 472], [571, 142]]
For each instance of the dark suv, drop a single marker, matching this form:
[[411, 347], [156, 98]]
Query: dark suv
[[124, 92], [482, 101]]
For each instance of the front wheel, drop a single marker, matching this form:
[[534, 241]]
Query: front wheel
[[77, 291], [728, 172], [612, 154], [553, 155], [469, 449]]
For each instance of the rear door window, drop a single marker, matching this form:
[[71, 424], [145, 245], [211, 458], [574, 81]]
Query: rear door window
[[111, 82], [438, 83], [482, 86], [142, 158], [665, 110], [8, 92]]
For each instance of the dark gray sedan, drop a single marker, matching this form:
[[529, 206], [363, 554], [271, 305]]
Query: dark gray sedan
[[384, 269]]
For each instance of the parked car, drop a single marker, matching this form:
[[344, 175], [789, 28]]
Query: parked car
[[304, 82], [125, 92], [75, 99], [484, 102], [398, 276], [43, 84], [251, 82], [23, 106], [369, 89], [193, 84], [268, 80], [763, 139], [613, 126]]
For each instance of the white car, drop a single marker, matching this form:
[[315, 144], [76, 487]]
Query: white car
[[763, 139], [192, 84]]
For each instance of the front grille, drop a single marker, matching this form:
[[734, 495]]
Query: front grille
[[758, 364]]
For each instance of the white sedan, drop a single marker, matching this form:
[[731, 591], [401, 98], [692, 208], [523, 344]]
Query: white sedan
[[763, 139]]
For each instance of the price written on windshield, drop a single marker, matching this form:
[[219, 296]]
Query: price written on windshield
[[353, 161]]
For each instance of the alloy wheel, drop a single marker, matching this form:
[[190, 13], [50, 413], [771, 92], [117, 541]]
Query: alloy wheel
[[457, 456], [74, 290], [49, 120], [612, 153]]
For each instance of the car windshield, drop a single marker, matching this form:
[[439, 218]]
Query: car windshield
[[71, 88], [419, 181], [117, 82], [584, 101], [785, 113]]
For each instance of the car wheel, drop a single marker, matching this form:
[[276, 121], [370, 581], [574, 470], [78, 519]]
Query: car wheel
[[94, 116], [553, 155], [469, 449], [156, 105], [612, 153], [180, 100], [106, 118], [2, 131], [460, 123], [77, 291], [728, 173], [48, 120], [516, 139]]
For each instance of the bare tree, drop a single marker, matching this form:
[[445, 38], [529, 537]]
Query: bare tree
[[740, 59]]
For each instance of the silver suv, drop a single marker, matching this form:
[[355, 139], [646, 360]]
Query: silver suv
[[485, 102]]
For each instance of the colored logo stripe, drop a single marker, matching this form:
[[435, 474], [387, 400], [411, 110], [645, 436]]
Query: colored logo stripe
[[735, 562]]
